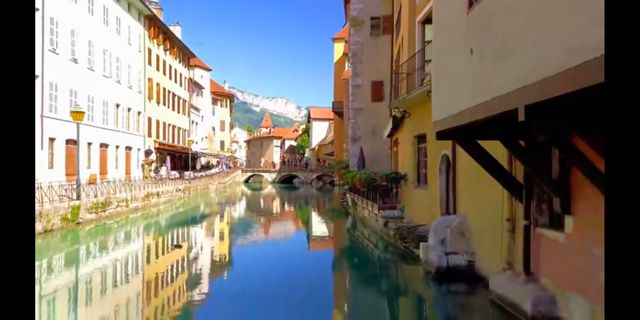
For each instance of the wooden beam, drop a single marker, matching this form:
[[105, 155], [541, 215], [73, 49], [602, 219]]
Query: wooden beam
[[493, 167], [529, 162], [582, 163]]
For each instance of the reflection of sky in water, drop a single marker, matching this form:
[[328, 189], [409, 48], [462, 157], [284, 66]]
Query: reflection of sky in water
[[238, 254]]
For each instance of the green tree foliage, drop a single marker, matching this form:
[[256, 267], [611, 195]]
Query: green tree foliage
[[250, 129], [303, 141]]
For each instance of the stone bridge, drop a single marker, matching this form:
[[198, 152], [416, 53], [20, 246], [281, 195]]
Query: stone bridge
[[286, 176]]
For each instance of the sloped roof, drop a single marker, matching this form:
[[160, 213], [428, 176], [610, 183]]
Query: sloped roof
[[218, 89], [266, 121], [197, 62], [342, 34], [320, 113]]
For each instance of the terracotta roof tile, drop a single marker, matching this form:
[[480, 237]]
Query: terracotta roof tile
[[217, 88], [266, 121], [196, 62], [342, 34], [320, 113]]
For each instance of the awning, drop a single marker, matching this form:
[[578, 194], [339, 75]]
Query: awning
[[171, 148]]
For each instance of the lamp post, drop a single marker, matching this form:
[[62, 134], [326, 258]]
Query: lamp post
[[77, 115], [190, 143]]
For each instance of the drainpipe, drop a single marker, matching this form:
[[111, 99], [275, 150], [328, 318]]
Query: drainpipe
[[42, 82]]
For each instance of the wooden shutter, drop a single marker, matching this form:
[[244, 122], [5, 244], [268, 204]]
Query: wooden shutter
[[377, 91], [387, 24], [127, 162], [71, 168], [103, 161]]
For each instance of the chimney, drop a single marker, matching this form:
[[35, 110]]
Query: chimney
[[177, 29], [155, 6], [226, 85]]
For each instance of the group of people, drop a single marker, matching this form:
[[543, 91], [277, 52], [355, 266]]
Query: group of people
[[299, 163], [152, 170]]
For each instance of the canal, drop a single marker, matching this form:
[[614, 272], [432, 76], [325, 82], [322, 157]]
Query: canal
[[252, 251]]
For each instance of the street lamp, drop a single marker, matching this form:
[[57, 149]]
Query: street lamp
[[189, 143], [77, 115]]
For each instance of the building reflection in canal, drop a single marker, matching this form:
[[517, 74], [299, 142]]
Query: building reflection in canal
[[180, 265]]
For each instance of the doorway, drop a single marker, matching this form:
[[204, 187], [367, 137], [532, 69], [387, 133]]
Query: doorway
[[445, 174]]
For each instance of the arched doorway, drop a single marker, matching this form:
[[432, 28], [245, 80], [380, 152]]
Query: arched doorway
[[445, 174]]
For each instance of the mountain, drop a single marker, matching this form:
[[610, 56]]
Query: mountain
[[249, 108]]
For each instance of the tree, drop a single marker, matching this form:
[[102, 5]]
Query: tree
[[303, 141], [250, 129]]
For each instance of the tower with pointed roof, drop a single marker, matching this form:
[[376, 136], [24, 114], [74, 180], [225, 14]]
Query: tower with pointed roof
[[266, 126]]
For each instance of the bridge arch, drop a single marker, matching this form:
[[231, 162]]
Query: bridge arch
[[287, 178], [250, 176], [324, 177]]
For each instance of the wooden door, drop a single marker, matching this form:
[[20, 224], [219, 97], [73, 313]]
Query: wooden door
[[103, 161], [71, 159], [446, 185]]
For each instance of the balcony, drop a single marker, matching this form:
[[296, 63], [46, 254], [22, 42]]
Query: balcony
[[413, 75], [338, 108]]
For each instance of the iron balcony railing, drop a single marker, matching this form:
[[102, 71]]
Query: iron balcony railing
[[413, 73]]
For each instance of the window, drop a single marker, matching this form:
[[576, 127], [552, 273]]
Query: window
[[90, 7], [118, 25], [105, 113], [173, 134], [157, 92], [164, 67], [89, 155], [105, 15], [116, 109], [164, 96], [221, 234], [221, 145], [104, 61], [129, 119], [472, 3], [138, 116], [72, 45], [157, 62], [149, 129], [50, 153], [170, 71], [73, 98], [118, 69], [150, 89], [157, 129], [53, 34], [421, 153], [129, 34], [117, 152], [164, 131], [175, 75], [90, 108], [149, 57], [547, 208], [53, 97], [375, 26], [221, 125], [129, 75], [90, 59]]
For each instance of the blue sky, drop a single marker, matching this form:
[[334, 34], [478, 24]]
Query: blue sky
[[268, 47]]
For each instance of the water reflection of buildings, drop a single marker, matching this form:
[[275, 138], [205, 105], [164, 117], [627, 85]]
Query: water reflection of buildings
[[165, 272], [210, 252], [101, 279]]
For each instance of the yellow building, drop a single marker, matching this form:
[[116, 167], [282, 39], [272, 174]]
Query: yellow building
[[165, 273], [442, 179], [167, 101], [339, 90], [222, 237]]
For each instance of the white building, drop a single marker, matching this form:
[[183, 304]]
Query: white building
[[89, 54], [238, 145], [202, 116], [318, 118]]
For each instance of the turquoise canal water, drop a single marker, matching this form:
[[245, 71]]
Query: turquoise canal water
[[248, 252]]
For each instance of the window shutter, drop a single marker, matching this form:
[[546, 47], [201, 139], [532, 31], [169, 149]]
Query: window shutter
[[387, 24], [377, 91]]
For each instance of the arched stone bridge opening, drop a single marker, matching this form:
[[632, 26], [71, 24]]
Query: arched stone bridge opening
[[286, 177]]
